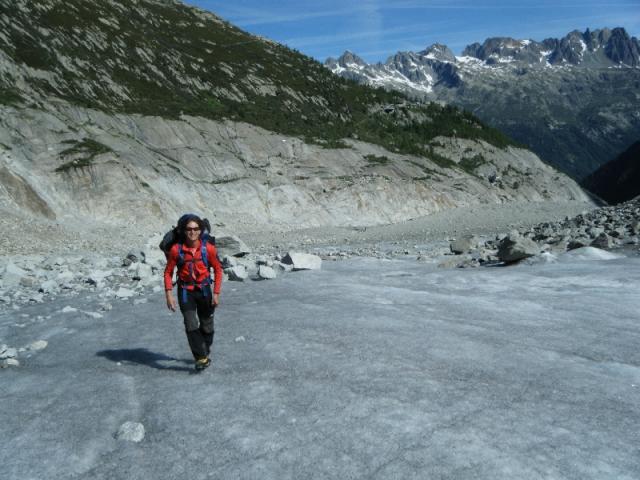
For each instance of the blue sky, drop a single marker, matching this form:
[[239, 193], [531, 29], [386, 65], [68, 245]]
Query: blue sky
[[375, 29]]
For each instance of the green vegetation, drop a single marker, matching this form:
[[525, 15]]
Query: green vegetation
[[469, 164], [85, 151], [171, 61], [10, 96], [377, 160]]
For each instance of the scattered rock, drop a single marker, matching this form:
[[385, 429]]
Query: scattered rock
[[131, 432], [231, 246], [302, 261], [515, 247], [8, 352], [603, 241], [266, 273], [463, 245], [9, 362], [123, 292], [238, 273], [38, 345]]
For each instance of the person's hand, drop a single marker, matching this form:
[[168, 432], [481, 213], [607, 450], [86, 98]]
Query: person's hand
[[215, 299], [171, 302]]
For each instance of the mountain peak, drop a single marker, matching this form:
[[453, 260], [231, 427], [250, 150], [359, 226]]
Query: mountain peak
[[349, 57], [438, 51]]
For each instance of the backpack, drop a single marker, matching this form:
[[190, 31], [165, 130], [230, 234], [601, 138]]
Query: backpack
[[175, 235]]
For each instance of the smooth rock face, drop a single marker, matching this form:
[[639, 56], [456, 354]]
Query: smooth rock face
[[515, 247], [131, 432], [302, 261]]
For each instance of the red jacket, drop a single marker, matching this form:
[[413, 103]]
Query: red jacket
[[193, 270]]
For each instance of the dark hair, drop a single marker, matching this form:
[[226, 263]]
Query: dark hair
[[184, 220], [194, 219]]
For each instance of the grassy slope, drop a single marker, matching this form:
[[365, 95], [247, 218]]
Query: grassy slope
[[167, 59]]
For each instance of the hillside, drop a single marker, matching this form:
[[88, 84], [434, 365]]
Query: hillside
[[157, 107], [618, 180]]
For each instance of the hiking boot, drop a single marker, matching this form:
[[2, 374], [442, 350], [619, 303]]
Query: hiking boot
[[202, 363]]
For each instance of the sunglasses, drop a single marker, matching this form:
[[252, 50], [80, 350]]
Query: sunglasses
[[196, 229]]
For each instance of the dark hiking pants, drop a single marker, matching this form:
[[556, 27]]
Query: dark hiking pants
[[198, 319]]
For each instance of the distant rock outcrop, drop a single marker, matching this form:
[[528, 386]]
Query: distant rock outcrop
[[619, 179]]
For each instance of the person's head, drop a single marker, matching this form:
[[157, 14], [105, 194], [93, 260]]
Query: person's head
[[192, 229]]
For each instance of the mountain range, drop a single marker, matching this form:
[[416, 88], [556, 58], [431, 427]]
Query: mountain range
[[575, 101]]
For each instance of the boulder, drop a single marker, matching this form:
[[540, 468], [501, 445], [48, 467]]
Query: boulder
[[577, 243], [232, 246], [124, 293], [229, 261], [603, 241], [13, 275], [514, 247], [131, 432], [237, 274], [9, 362], [49, 286], [463, 245], [8, 352], [38, 345], [302, 261], [143, 273], [266, 273]]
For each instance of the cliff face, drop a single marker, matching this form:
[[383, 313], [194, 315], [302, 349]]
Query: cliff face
[[69, 162]]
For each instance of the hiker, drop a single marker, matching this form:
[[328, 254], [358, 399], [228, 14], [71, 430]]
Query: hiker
[[194, 256]]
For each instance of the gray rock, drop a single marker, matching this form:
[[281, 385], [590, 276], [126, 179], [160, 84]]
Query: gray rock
[[302, 261], [37, 345], [603, 241], [593, 232], [237, 274], [9, 362], [131, 432], [123, 292], [13, 275], [8, 352], [285, 267], [515, 247], [577, 243], [231, 245], [29, 282], [262, 260], [229, 261], [143, 273], [65, 276], [266, 273], [49, 286], [463, 245]]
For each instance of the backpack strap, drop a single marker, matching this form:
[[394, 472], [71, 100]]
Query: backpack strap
[[203, 254], [180, 256]]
